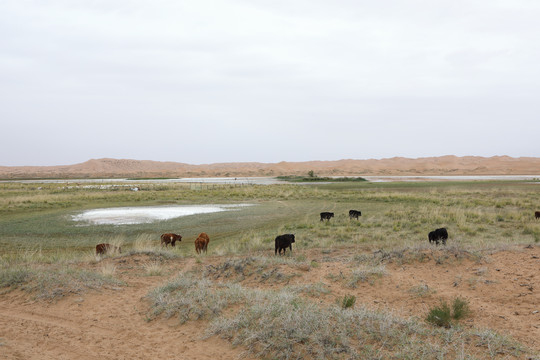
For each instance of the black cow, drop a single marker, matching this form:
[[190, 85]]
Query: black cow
[[326, 215], [537, 214], [283, 242], [354, 214], [438, 235]]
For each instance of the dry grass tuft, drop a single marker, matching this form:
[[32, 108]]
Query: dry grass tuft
[[153, 268], [108, 269]]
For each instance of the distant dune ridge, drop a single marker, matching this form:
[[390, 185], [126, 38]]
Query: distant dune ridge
[[443, 165]]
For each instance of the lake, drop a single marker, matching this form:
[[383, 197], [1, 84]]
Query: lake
[[273, 180]]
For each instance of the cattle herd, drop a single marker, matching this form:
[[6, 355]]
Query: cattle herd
[[282, 242], [201, 243]]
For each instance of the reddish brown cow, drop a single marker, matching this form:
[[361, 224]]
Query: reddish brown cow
[[201, 243], [537, 214], [102, 249], [170, 238]]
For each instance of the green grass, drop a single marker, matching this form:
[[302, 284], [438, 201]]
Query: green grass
[[37, 218]]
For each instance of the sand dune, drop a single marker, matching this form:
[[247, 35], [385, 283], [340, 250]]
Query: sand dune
[[444, 165]]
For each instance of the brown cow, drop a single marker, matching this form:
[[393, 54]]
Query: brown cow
[[201, 243], [170, 238], [102, 249], [537, 214]]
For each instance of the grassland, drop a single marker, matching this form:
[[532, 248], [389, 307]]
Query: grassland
[[479, 214], [42, 248]]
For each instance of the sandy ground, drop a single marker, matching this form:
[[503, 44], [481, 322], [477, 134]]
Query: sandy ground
[[502, 288], [443, 165]]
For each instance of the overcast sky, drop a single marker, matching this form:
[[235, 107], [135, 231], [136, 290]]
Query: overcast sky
[[203, 81]]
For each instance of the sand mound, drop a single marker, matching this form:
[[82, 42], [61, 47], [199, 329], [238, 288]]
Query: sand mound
[[444, 165]]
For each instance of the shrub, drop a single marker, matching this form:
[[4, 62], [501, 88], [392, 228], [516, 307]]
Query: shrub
[[443, 315], [348, 301], [440, 315], [460, 308], [13, 277]]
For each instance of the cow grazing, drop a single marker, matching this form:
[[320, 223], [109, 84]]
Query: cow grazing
[[354, 214], [326, 215], [438, 235], [201, 243], [102, 249], [170, 238], [537, 214], [431, 236], [283, 242]]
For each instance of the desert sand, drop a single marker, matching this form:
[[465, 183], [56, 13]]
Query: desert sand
[[444, 165], [113, 324]]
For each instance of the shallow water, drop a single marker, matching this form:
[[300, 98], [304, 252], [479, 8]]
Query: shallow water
[[450, 178], [210, 180], [146, 214], [269, 180]]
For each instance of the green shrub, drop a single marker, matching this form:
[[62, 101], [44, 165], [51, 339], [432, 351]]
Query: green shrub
[[440, 315], [460, 308], [444, 315], [348, 301]]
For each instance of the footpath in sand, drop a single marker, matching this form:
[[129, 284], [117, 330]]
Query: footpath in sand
[[502, 289]]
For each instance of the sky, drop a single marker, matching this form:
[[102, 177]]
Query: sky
[[208, 81]]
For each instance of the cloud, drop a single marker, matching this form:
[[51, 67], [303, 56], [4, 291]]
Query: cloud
[[293, 81]]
